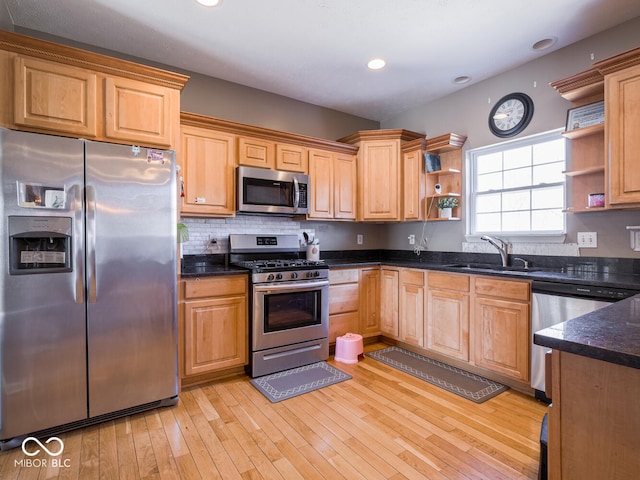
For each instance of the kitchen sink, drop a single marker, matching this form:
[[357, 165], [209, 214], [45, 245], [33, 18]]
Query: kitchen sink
[[492, 267]]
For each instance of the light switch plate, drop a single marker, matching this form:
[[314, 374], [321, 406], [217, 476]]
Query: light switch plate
[[588, 239]]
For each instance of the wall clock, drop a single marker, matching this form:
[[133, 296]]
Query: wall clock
[[511, 115]]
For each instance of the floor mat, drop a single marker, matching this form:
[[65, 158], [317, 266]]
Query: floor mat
[[290, 383], [466, 384]]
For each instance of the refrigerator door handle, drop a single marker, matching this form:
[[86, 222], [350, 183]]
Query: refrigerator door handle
[[77, 242], [91, 243]]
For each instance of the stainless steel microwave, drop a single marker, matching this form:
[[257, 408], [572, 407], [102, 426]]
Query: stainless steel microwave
[[272, 191]]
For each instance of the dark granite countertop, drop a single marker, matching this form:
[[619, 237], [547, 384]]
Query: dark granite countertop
[[611, 334], [193, 266]]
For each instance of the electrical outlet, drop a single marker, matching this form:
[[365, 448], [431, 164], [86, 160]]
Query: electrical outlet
[[588, 239], [360, 239], [412, 239]]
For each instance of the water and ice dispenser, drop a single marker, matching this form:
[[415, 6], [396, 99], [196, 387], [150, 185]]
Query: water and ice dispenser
[[39, 244]]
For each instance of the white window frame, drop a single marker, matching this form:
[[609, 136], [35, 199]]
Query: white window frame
[[529, 236]]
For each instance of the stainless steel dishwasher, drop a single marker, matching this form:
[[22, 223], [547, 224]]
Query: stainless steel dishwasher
[[555, 302]]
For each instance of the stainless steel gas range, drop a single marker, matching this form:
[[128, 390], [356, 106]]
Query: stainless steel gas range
[[289, 303]]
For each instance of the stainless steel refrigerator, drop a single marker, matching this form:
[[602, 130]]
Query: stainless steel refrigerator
[[88, 313]]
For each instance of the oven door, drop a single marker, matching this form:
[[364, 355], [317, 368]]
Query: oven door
[[289, 313]]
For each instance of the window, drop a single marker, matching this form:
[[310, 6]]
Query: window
[[517, 187]]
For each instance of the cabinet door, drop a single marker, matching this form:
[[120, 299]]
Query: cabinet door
[[292, 158], [501, 330], [413, 183], [321, 188], [389, 302], [138, 112], [379, 179], [208, 164], [215, 334], [55, 97], [448, 323], [255, 152], [622, 124], [412, 297], [369, 302], [344, 187]]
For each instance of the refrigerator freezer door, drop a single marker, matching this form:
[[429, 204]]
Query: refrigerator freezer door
[[42, 314], [131, 276]]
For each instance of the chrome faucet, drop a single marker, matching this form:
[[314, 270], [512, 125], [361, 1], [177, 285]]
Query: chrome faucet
[[501, 245]]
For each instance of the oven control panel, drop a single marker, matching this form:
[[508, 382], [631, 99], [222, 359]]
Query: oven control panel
[[290, 276]]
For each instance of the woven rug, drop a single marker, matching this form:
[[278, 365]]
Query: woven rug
[[291, 383], [466, 384]]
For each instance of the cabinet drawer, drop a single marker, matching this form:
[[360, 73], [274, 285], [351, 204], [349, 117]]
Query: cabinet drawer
[[503, 288], [215, 286], [343, 276], [344, 298], [413, 277], [448, 281]]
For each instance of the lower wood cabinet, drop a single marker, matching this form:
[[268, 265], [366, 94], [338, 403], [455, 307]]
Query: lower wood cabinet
[[344, 302], [502, 326], [448, 314], [215, 324], [369, 302], [594, 419], [354, 299], [412, 306], [389, 314]]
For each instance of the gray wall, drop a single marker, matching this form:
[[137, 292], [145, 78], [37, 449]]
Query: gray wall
[[230, 101], [466, 112], [5, 19]]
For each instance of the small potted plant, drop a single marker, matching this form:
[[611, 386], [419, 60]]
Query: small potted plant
[[445, 204]]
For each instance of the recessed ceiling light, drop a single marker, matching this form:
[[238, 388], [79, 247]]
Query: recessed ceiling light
[[462, 79], [209, 3], [376, 64], [544, 43]]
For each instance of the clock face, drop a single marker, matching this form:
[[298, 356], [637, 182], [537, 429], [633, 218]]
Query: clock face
[[511, 115]]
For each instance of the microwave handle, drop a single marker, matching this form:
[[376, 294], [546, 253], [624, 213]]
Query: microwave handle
[[296, 193]]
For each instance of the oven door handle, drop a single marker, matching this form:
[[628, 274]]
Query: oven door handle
[[285, 287]]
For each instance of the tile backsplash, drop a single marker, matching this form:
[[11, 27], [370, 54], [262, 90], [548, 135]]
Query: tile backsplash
[[202, 231]]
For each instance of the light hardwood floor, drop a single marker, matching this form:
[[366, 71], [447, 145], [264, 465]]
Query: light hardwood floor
[[382, 424]]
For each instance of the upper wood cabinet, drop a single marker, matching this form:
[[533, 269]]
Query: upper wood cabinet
[[622, 127], [52, 88], [208, 159], [255, 152], [292, 158], [333, 185], [55, 97], [605, 157], [413, 180], [379, 172]]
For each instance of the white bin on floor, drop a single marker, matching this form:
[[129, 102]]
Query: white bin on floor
[[348, 347]]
